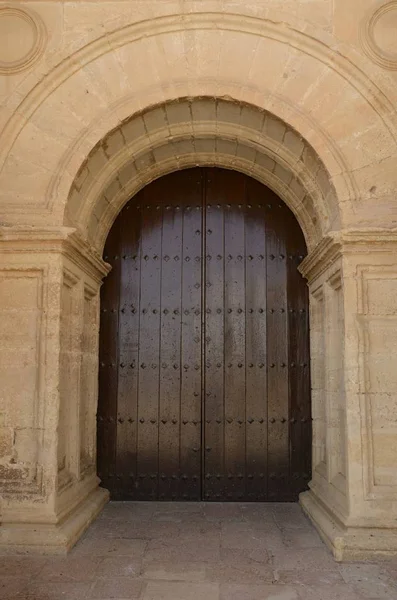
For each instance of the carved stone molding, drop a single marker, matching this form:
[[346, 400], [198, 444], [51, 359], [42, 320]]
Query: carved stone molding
[[346, 241], [63, 240], [378, 35], [23, 38]]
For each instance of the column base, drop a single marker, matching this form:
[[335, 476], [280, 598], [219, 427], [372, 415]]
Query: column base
[[59, 538], [348, 543]]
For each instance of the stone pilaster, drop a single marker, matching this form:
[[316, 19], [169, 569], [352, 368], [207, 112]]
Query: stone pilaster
[[353, 292], [49, 300]]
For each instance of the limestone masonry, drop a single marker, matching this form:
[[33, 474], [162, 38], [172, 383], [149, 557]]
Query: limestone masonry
[[98, 99]]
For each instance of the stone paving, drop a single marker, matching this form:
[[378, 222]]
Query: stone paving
[[197, 551]]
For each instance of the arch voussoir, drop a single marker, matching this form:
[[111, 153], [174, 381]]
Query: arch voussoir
[[207, 131]]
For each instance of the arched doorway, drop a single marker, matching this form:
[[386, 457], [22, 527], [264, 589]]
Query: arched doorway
[[204, 384]]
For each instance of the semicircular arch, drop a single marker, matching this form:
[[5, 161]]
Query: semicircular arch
[[201, 131]]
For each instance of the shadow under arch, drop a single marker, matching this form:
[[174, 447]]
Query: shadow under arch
[[204, 131], [204, 345]]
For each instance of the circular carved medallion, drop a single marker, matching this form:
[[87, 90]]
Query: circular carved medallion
[[379, 35], [22, 39]]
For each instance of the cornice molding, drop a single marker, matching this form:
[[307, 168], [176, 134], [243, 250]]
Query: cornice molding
[[346, 241], [65, 241], [321, 257]]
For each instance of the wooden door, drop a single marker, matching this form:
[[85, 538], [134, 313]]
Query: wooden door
[[204, 355]]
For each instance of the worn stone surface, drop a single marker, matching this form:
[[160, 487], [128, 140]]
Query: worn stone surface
[[97, 99], [125, 568]]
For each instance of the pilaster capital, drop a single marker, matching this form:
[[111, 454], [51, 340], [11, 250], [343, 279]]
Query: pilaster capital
[[65, 241], [347, 242]]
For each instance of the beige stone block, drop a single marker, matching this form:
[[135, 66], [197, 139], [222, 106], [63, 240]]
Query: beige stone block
[[204, 109], [237, 53], [112, 189], [145, 161], [246, 152], [81, 178], [367, 145], [297, 188], [275, 128], [98, 161], [155, 119], [226, 147], [229, 112], [127, 173], [184, 147], [294, 143], [265, 161], [164, 152], [178, 112], [26, 444], [134, 129], [141, 63], [6, 441], [205, 145], [382, 295], [272, 69], [113, 143], [283, 174]]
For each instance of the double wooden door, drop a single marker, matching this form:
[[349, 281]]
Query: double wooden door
[[204, 385]]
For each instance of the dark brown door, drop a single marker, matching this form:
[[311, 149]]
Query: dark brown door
[[204, 386]]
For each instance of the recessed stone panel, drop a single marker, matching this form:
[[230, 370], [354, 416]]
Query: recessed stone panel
[[22, 39]]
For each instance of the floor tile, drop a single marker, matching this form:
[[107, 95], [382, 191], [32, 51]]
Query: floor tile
[[120, 587], [297, 538], [305, 559], [110, 547], [11, 586], [327, 592], [192, 551], [376, 590], [55, 591], [258, 592], [166, 590], [16, 565], [69, 569], [173, 571], [310, 578], [120, 566]]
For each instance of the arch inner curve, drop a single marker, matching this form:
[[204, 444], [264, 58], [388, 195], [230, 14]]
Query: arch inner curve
[[202, 131]]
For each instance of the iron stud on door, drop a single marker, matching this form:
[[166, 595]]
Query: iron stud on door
[[204, 378]]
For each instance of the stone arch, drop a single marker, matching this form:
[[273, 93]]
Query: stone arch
[[205, 131], [326, 165], [309, 85]]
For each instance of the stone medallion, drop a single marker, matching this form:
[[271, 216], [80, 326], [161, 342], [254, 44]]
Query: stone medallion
[[379, 36], [22, 39]]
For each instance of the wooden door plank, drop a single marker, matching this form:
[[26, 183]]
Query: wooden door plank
[[235, 336], [213, 393], [277, 352], [191, 339], [256, 357], [149, 347], [108, 362], [128, 337]]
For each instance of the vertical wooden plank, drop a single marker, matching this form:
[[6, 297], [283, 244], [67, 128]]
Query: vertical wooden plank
[[255, 337], [277, 351], [128, 333], [255, 313], [191, 339], [300, 424], [108, 361], [149, 347], [235, 341], [170, 339], [213, 282]]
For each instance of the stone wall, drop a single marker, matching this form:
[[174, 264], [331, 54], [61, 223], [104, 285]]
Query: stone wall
[[99, 98]]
